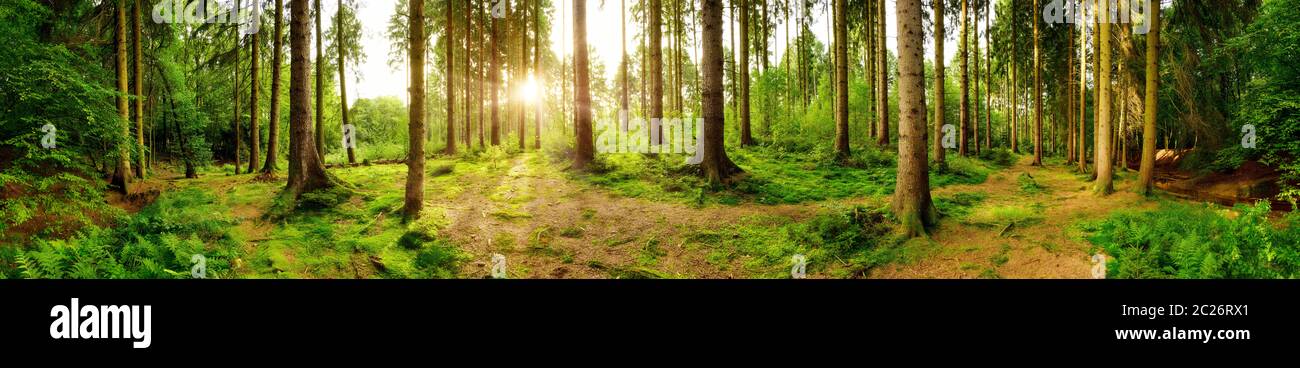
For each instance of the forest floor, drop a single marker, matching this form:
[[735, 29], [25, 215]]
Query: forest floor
[[1019, 223]]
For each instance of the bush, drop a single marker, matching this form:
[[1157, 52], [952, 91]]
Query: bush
[[1198, 242], [157, 243]]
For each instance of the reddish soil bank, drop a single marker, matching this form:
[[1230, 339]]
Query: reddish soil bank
[[1249, 183]]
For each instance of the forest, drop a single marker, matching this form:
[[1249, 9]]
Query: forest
[[649, 139]]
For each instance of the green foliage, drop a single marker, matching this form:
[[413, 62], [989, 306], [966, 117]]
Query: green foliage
[[1272, 98], [156, 243], [841, 240], [1030, 186], [1199, 241]]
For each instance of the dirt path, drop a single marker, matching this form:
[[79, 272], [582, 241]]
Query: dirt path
[[549, 226], [1042, 248]]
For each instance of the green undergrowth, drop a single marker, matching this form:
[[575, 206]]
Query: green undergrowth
[[161, 241], [838, 242], [772, 176], [1197, 241]]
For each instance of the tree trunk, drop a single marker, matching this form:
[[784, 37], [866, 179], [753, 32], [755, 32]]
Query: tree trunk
[[841, 81], [537, 72], [140, 169], [656, 70], [975, 81], [306, 171], [320, 86], [1038, 98], [1083, 96], [715, 166], [746, 135], [414, 201], [912, 203], [273, 134], [1105, 167], [523, 62], [254, 140], [496, 87], [939, 77], [343, 80], [585, 147], [122, 174], [237, 111], [883, 71], [988, 79], [964, 108], [1146, 171]]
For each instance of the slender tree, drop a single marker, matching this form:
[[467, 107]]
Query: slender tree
[[988, 77], [585, 147], [746, 136], [537, 71], [912, 203], [343, 79], [964, 109], [939, 78], [1083, 94], [414, 201], [1015, 83], [237, 113], [140, 169], [841, 81], [523, 62], [320, 85], [1104, 185], [1151, 105], [1038, 98], [273, 133], [657, 70], [496, 86], [882, 102], [122, 174], [253, 130]]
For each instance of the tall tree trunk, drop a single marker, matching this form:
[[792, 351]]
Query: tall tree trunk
[[1015, 85], [1105, 167], [623, 114], [716, 167], [140, 169], [1038, 98], [975, 89], [746, 135], [883, 72], [537, 72], [964, 109], [585, 147], [1151, 106], [912, 203], [988, 78], [1096, 90], [657, 70], [939, 77], [523, 62], [320, 85], [1083, 95], [414, 201], [496, 87], [306, 171], [237, 112], [254, 139], [343, 80], [122, 174], [841, 81], [273, 134]]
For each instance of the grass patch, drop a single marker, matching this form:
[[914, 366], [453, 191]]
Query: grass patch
[[1006, 215]]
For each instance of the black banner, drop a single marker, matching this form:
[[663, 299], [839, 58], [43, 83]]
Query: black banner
[[411, 316]]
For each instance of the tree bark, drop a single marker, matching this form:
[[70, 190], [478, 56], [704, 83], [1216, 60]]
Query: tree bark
[[746, 135], [414, 200], [841, 81], [273, 134], [254, 139], [585, 150], [1105, 167], [320, 86], [939, 78], [715, 165], [883, 71], [140, 168], [1038, 98], [1146, 171], [912, 203], [306, 171], [343, 80], [122, 174]]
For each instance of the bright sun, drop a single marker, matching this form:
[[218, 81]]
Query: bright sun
[[529, 90]]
